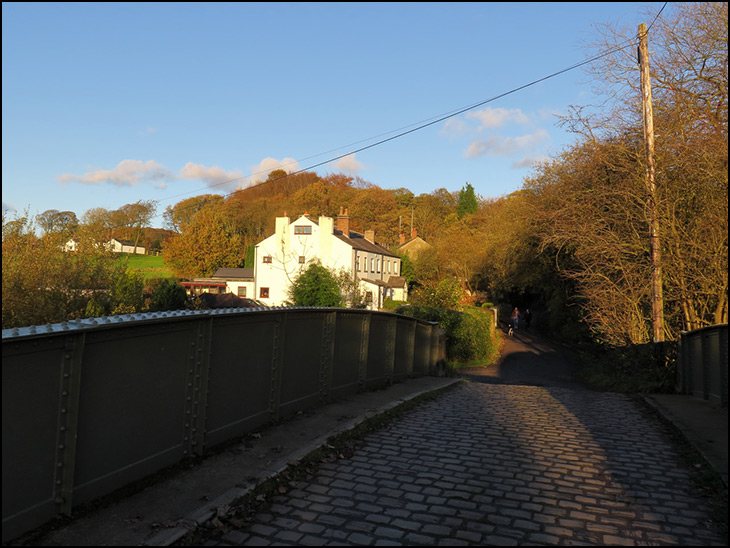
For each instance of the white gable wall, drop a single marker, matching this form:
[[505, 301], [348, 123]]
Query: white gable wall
[[293, 246], [241, 288]]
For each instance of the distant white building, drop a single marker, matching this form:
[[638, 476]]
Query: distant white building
[[70, 246], [125, 246], [295, 244], [114, 244]]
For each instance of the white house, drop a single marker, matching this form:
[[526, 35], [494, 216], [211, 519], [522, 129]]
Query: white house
[[295, 244], [70, 246], [239, 281], [124, 246]]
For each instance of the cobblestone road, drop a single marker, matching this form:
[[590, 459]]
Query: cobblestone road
[[495, 464]]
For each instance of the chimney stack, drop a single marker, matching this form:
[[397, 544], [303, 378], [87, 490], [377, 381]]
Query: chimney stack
[[414, 234], [370, 236], [343, 222], [402, 238]]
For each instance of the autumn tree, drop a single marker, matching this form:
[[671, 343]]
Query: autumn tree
[[205, 244], [182, 212], [433, 211], [593, 200], [41, 284], [319, 198], [375, 209], [53, 220], [97, 226], [136, 217], [460, 252]]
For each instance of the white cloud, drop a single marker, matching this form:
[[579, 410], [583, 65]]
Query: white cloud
[[454, 127], [126, 173], [498, 117], [505, 146], [212, 176], [529, 161], [349, 164], [134, 172], [267, 165]]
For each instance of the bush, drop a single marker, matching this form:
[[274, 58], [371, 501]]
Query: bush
[[469, 334], [168, 295], [446, 294], [316, 286], [127, 291]]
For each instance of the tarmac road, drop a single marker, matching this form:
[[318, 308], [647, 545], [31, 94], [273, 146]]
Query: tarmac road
[[514, 454]]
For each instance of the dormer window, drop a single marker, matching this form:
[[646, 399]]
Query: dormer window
[[302, 230]]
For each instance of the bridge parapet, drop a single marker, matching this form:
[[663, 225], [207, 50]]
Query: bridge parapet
[[92, 405], [702, 364]]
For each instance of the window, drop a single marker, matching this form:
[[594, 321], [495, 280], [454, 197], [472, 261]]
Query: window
[[302, 230], [267, 259], [395, 268], [301, 259], [264, 293], [372, 265], [241, 291]]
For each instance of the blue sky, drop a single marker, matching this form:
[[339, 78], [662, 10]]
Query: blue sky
[[104, 104]]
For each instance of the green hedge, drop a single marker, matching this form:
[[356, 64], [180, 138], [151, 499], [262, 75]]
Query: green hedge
[[469, 334]]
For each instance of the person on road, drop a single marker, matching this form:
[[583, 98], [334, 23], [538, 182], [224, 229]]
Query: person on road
[[528, 318], [515, 317]]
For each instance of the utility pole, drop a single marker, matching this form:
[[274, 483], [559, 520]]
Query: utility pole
[[657, 299]]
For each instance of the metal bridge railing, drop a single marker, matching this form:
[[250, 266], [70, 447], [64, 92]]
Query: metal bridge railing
[[702, 364], [92, 405]]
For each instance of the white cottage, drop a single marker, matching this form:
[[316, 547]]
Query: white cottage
[[295, 244], [239, 281], [124, 246]]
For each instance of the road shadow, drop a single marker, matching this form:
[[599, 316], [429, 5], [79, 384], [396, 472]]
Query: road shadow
[[614, 439], [529, 358]]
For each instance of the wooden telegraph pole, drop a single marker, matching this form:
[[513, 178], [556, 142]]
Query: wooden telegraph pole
[[657, 299]]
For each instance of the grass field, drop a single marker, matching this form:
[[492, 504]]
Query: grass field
[[150, 266]]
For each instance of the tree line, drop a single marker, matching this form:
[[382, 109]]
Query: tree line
[[573, 242]]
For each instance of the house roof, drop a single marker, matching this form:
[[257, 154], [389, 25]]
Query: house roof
[[393, 281], [125, 242], [416, 243], [358, 241], [234, 273], [396, 281]]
